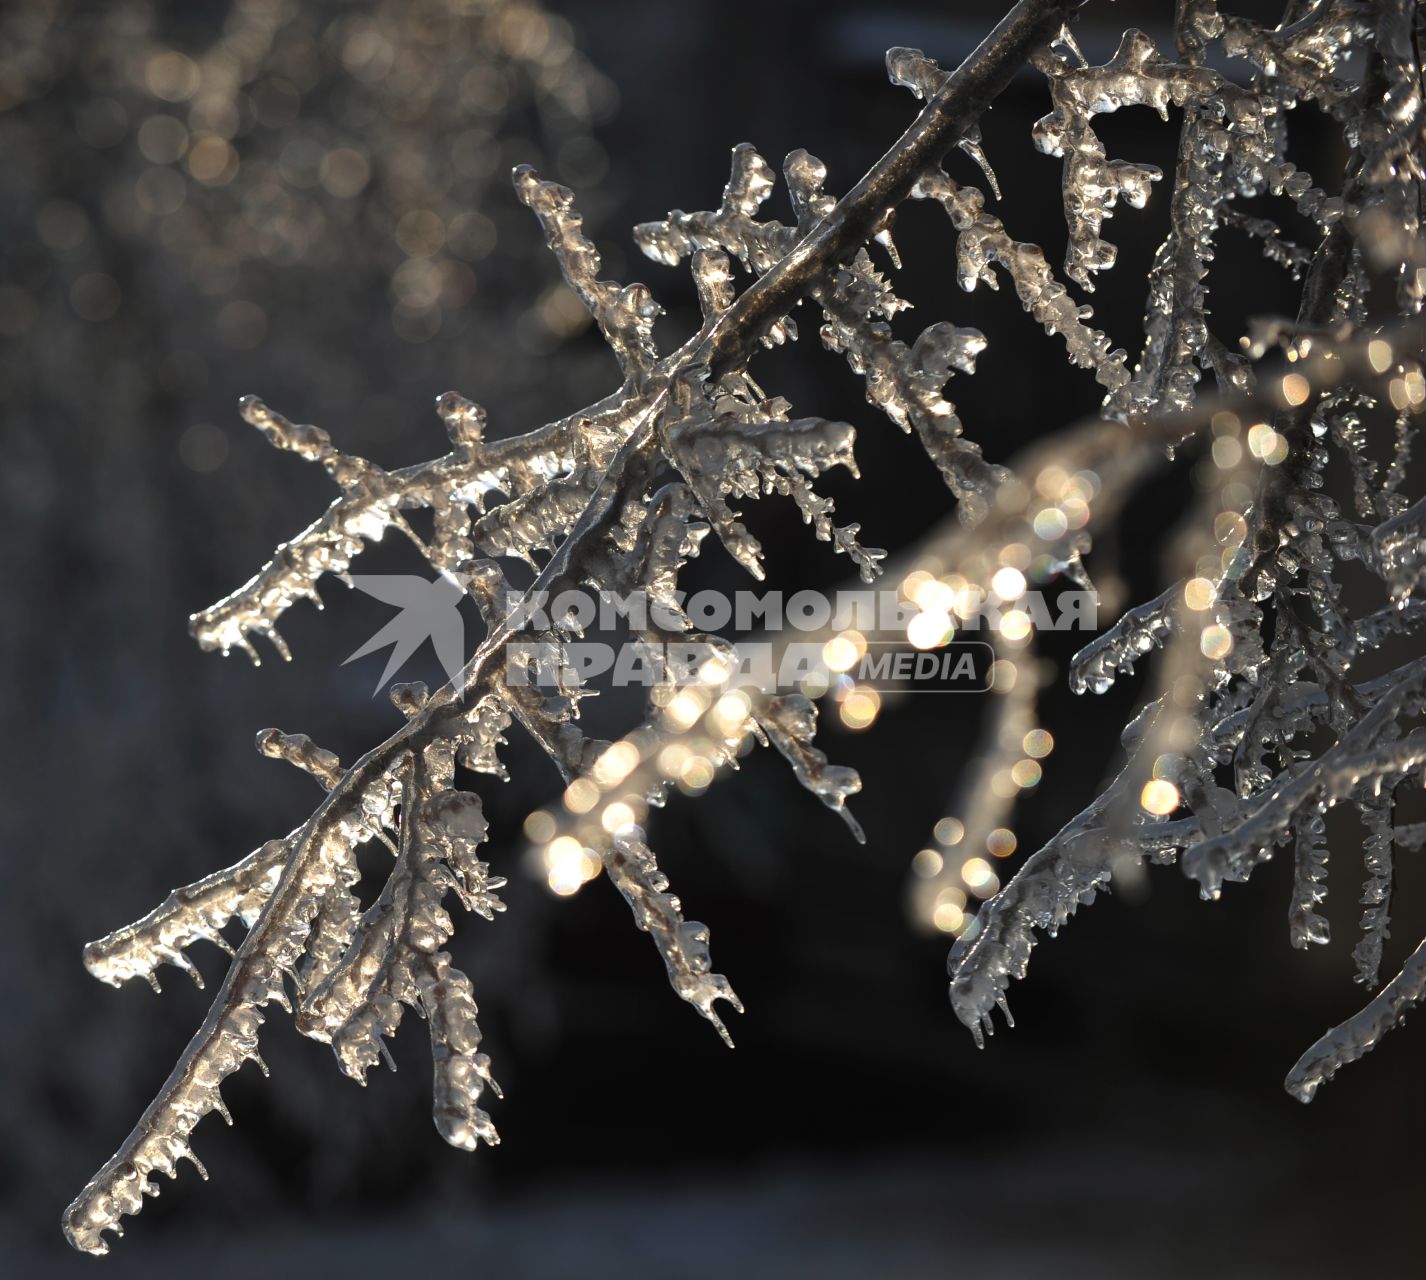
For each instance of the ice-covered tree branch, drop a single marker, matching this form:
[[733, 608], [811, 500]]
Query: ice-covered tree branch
[[1257, 721]]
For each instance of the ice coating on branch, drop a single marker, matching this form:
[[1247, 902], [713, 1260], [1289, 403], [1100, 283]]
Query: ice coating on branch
[[1068, 872], [1139, 631], [372, 504], [1368, 755], [298, 749], [395, 959], [982, 240], [1046, 891], [1261, 719], [1370, 632], [790, 722], [227, 1039], [1377, 857], [463, 419], [625, 313], [908, 383], [905, 383], [1360, 1033], [911, 69], [1253, 713], [805, 175], [683, 944], [573, 492], [731, 227], [978, 804], [197, 911], [669, 535], [1229, 145], [713, 278], [1399, 545], [478, 745], [538, 521], [1291, 257], [1093, 184], [732, 448]]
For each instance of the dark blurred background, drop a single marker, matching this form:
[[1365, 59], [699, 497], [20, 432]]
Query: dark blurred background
[[325, 220]]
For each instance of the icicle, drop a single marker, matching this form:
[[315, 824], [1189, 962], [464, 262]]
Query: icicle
[[1376, 892], [683, 944], [790, 722], [299, 750], [1309, 885]]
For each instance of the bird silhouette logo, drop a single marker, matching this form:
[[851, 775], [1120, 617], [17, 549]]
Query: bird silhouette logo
[[429, 610]]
